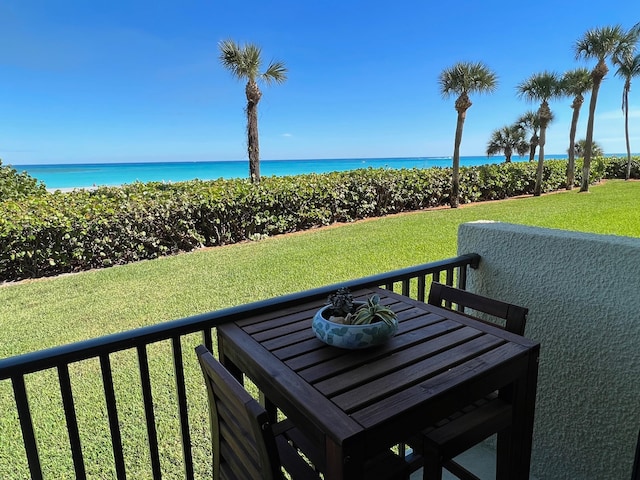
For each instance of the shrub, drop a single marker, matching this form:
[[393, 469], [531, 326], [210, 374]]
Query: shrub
[[616, 167], [15, 186], [68, 232]]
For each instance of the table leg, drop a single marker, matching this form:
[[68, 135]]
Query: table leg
[[228, 364], [269, 406], [335, 461], [344, 462], [515, 442]]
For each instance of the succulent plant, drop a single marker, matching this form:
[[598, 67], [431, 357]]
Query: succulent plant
[[343, 311], [341, 302], [372, 310]]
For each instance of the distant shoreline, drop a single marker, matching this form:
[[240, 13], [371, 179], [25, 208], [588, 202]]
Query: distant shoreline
[[262, 161], [67, 177]]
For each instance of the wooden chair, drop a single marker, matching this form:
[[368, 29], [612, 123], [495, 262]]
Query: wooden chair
[[442, 442], [244, 443], [515, 317], [247, 446]]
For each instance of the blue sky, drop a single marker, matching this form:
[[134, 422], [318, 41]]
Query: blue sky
[[138, 80]]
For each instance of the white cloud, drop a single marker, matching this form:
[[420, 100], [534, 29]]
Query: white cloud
[[287, 135], [617, 114]]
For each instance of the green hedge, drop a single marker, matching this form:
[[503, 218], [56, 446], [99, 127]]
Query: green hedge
[[16, 186], [69, 232]]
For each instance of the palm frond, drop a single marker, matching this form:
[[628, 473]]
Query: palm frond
[[507, 139], [600, 43], [627, 45], [230, 56], [251, 60], [243, 61], [467, 77], [596, 150], [628, 68], [275, 72], [529, 121], [540, 87], [576, 82]]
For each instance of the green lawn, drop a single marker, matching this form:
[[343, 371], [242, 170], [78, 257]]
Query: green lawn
[[48, 312], [75, 307]]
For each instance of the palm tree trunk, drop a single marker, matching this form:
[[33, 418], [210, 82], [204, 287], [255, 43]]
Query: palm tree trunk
[[455, 177], [507, 155], [253, 145], [626, 134], [588, 142], [533, 145], [537, 189], [571, 165], [544, 115]]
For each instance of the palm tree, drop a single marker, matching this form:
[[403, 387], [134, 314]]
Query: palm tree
[[462, 79], [575, 83], [244, 63], [601, 44], [580, 146], [507, 139], [628, 67], [541, 87], [529, 122]]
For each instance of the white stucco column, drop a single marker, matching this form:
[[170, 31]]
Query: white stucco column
[[583, 295]]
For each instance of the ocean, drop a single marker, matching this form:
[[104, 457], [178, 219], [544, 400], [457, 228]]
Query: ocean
[[78, 175]]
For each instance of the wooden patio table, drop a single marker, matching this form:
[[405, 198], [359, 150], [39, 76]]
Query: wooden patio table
[[356, 403]]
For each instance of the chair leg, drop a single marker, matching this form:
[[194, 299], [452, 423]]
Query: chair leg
[[432, 464], [503, 452]]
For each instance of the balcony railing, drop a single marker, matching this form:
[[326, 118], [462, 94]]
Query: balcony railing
[[55, 378]]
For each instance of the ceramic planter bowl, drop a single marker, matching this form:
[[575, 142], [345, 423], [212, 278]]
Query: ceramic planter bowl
[[351, 336]]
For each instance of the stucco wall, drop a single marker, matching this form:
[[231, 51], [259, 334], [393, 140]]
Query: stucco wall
[[583, 294]]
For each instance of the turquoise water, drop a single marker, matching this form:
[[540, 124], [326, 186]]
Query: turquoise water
[[97, 174]]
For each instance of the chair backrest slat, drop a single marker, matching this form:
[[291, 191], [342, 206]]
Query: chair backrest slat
[[243, 443], [234, 449], [515, 316]]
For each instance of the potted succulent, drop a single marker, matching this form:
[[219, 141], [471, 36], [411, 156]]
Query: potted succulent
[[346, 323]]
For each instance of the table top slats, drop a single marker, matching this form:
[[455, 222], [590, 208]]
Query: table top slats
[[409, 399], [338, 373], [299, 349], [379, 387], [409, 332], [262, 322], [286, 336], [281, 326]]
